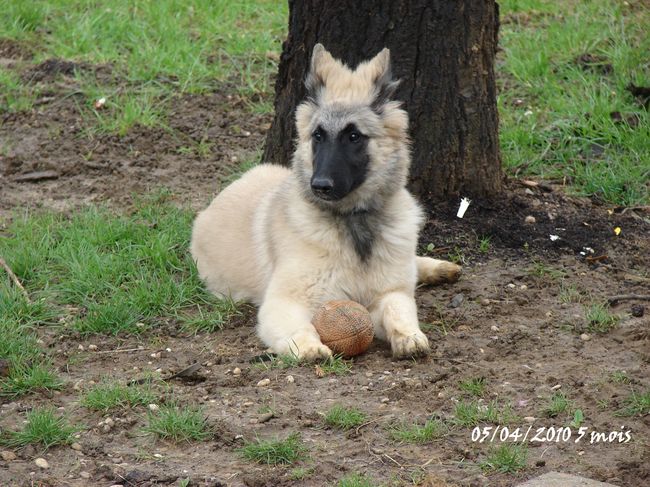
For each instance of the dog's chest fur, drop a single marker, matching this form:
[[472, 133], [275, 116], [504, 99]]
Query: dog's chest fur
[[362, 230]]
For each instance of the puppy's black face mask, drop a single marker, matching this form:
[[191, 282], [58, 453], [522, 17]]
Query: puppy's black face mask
[[340, 162]]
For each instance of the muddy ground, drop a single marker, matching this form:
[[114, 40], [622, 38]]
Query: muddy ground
[[515, 324]]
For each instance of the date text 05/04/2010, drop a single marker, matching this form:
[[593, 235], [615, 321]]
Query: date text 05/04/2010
[[562, 434]]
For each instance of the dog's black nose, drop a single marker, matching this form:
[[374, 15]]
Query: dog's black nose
[[322, 185]]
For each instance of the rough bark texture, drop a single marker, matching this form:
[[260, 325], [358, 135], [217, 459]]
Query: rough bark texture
[[443, 51]]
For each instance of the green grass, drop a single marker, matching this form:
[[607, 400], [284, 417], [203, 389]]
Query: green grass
[[415, 433], [155, 49], [179, 424], [472, 413], [335, 365], [15, 96], [475, 387], [113, 274], [275, 452], [344, 418], [43, 428], [113, 395], [540, 269], [484, 244], [636, 405], [558, 404], [505, 458], [570, 293], [554, 116], [599, 319], [29, 367], [356, 480], [620, 377], [301, 473]]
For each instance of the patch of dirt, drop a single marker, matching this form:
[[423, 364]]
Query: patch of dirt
[[593, 63], [518, 324], [110, 168], [12, 49]]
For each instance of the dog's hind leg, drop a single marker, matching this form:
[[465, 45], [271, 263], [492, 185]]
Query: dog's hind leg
[[285, 325], [395, 319], [434, 271]]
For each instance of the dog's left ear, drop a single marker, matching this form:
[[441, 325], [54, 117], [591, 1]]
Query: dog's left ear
[[382, 76]]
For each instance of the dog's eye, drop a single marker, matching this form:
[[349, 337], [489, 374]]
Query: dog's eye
[[317, 135], [355, 137]]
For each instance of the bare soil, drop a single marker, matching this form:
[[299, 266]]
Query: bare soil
[[511, 327]]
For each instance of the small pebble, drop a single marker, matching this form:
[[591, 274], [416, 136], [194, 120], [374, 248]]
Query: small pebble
[[92, 347], [41, 463], [236, 371], [638, 310], [584, 337], [109, 422], [153, 407], [8, 456], [485, 302], [494, 328], [384, 400], [82, 348], [76, 446], [529, 419], [523, 287], [457, 300], [264, 383], [290, 379], [530, 219], [511, 286]]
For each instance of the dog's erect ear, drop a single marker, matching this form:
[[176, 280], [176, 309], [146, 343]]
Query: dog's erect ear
[[382, 76], [322, 63]]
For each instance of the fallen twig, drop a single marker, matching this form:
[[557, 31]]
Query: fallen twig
[[14, 278], [628, 297], [123, 350]]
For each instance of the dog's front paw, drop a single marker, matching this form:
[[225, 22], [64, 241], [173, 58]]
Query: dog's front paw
[[409, 345], [308, 347]]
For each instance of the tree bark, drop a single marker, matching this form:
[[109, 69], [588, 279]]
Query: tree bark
[[443, 51]]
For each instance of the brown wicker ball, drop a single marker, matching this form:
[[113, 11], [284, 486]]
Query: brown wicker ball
[[344, 326]]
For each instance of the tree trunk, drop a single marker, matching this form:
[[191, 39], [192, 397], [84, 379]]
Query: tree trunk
[[443, 51]]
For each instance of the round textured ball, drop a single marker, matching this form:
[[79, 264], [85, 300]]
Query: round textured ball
[[344, 326]]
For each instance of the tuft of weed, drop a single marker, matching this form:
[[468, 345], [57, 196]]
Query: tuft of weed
[[177, 423], [473, 413], [335, 365], [506, 458], [558, 404], [636, 405], [112, 395], [415, 433], [344, 418], [356, 480], [43, 427], [302, 473], [484, 244], [540, 269], [599, 319], [475, 387], [275, 452]]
